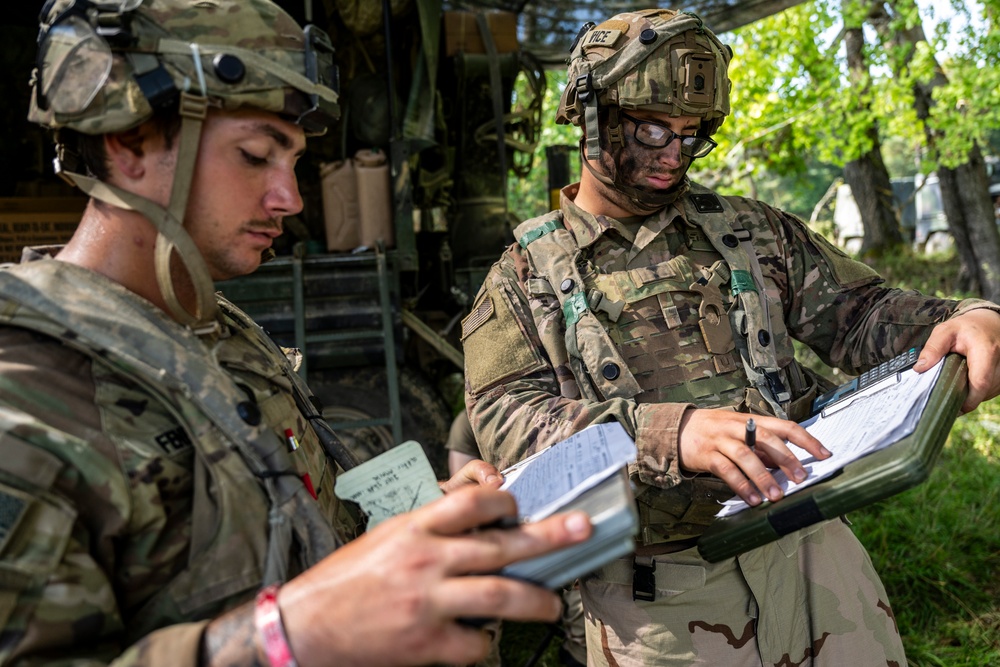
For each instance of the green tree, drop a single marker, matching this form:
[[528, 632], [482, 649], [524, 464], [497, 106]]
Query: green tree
[[866, 173], [955, 106], [794, 98], [790, 116]]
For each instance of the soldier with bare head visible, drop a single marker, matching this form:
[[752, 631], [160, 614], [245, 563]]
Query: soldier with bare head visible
[[166, 485], [653, 301]]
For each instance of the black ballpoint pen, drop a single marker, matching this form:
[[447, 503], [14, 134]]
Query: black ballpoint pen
[[751, 436]]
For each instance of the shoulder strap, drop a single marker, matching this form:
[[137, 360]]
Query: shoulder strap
[[553, 254], [751, 320], [115, 327], [535, 228], [305, 400]]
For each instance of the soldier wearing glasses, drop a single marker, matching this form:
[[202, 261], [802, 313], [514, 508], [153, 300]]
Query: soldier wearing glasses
[[651, 300]]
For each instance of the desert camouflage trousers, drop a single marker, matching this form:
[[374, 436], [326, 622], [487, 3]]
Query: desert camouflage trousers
[[811, 599]]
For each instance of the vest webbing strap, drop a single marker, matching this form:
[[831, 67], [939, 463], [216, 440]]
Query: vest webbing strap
[[554, 256], [742, 281], [170, 362], [538, 232], [750, 321], [778, 396], [574, 307]]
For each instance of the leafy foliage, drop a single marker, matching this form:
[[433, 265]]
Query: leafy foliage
[[529, 197]]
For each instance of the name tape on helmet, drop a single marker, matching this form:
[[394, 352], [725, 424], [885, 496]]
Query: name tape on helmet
[[602, 37]]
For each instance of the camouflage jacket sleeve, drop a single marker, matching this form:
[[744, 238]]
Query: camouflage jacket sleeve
[[513, 387], [65, 501], [836, 305]]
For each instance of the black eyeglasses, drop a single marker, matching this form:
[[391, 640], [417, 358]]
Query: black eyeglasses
[[656, 135]]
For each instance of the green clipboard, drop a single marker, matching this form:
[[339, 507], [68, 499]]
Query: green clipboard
[[886, 472]]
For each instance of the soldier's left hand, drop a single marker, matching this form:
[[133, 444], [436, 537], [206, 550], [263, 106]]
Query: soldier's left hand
[[976, 336], [474, 473], [393, 595]]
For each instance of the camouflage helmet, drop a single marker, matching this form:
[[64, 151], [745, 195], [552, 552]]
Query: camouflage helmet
[[104, 66], [656, 59]]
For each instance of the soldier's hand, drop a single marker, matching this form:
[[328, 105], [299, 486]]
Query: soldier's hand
[[474, 473], [715, 441], [976, 335], [392, 596]]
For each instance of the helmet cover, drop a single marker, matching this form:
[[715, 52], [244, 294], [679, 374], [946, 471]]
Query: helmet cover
[[103, 66], [656, 59]]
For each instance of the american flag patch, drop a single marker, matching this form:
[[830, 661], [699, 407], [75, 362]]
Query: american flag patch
[[477, 317]]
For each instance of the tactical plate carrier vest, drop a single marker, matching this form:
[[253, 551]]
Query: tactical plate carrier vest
[[253, 521], [701, 327]]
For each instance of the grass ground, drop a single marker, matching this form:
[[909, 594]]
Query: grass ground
[[937, 546]]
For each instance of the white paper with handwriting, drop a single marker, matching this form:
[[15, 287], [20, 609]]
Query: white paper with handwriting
[[551, 478], [861, 424], [396, 481]]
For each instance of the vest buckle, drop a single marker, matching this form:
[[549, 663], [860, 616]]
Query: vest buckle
[[644, 580]]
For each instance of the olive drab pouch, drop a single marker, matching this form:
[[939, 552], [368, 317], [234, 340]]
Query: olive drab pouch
[[712, 312], [496, 347]]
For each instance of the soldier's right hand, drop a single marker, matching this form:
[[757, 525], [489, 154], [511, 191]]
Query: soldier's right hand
[[393, 596], [715, 441], [475, 472]]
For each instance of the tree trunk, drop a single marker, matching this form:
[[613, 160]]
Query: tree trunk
[[965, 188], [867, 175]]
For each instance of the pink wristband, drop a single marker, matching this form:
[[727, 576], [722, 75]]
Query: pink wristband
[[267, 618]]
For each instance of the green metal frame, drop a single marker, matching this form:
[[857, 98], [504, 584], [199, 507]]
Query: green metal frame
[[386, 334]]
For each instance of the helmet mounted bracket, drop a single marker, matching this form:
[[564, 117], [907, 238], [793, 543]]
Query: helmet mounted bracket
[[587, 95], [154, 81], [616, 134]]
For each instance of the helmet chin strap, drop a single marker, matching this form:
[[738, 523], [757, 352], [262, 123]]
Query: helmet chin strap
[[171, 235], [641, 199]]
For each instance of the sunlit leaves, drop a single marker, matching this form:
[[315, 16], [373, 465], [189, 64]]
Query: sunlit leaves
[[793, 95]]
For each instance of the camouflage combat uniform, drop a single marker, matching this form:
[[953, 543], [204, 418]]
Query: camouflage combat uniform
[[146, 484], [646, 303]]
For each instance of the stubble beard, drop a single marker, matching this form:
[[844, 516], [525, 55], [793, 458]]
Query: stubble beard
[[227, 261]]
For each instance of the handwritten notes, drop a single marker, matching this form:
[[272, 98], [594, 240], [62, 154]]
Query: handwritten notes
[[393, 482], [551, 478], [871, 420]]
